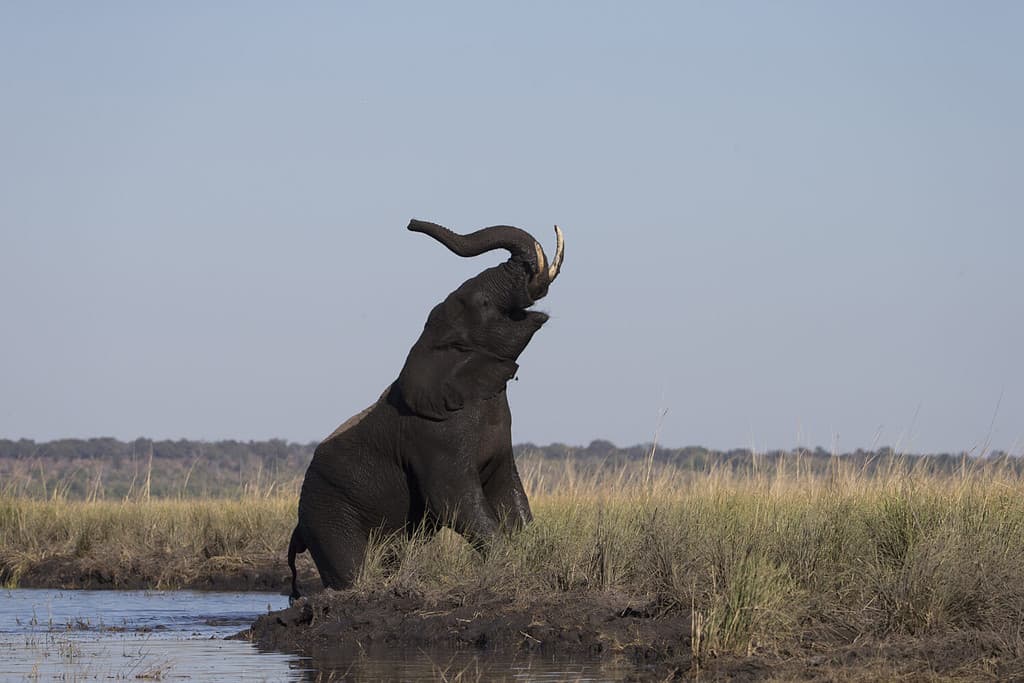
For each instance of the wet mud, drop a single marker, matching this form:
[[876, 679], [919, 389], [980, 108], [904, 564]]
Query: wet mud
[[641, 641], [640, 636], [266, 574]]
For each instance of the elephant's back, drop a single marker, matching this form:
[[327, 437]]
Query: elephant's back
[[359, 459], [357, 418]]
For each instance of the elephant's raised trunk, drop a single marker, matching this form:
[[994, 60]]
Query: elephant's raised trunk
[[518, 242]]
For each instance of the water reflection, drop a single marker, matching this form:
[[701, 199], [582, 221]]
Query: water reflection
[[392, 664]]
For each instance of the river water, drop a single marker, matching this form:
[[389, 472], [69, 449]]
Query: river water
[[48, 635]]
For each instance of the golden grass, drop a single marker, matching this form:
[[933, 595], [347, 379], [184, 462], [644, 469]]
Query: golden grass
[[757, 559], [167, 542]]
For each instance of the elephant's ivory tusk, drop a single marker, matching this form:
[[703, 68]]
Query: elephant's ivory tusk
[[556, 264]]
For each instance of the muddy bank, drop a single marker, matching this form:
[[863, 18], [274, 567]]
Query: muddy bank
[[156, 572], [611, 627], [641, 641]]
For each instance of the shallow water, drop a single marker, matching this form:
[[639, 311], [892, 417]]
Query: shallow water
[[180, 635], [129, 635]]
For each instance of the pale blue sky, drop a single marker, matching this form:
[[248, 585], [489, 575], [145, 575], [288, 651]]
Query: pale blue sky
[[787, 224]]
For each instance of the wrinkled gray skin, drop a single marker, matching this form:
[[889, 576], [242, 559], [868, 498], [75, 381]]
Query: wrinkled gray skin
[[436, 448]]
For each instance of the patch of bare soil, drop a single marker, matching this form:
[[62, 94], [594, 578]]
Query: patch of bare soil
[[654, 644]]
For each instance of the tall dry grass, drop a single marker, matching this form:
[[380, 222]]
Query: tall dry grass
[[757, 559], [141, 540]]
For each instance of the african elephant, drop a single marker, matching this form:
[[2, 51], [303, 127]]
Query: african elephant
[[436, 448]]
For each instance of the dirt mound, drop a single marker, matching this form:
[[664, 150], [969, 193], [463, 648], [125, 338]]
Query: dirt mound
[[644, 641], [608, 626]]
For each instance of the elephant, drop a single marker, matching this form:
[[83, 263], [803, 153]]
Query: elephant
[[435, 450]]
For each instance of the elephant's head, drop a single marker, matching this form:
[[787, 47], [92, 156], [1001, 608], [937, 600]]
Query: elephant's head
[[471, 341]]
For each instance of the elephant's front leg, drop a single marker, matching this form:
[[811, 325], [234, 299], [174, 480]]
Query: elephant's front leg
[[504, 490], [459, 502]]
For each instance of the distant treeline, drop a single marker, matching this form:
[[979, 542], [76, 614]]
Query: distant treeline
[[109, 468], [816, 461]]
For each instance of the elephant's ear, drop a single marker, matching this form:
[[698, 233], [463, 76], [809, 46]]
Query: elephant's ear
[[435, 382]]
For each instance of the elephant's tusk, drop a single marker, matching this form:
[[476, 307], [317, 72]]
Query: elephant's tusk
[[556, 264], [541, 258]]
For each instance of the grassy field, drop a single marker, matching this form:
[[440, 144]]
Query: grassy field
[[761, 562]]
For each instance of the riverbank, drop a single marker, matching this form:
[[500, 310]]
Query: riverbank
[[155, 572], [634, 641], [901, 573], [232, 545]]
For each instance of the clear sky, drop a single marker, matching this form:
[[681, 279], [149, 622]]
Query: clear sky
[[787, 224]]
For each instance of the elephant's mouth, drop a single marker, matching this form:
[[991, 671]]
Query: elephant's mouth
[[523, 314]]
